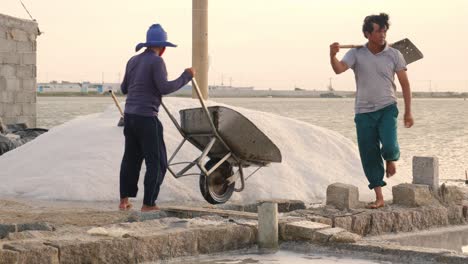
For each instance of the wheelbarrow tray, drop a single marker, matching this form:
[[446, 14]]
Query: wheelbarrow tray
[[244, 139]]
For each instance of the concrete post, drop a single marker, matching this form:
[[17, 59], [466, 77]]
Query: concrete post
[[268, 225], [426, 171], [200, 45]]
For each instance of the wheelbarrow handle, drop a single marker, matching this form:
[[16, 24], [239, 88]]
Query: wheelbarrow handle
[[202, 102]]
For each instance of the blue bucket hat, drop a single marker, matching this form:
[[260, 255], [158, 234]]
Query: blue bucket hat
[[155, 37]]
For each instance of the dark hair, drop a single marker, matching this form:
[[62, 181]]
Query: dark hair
[[381, 20]]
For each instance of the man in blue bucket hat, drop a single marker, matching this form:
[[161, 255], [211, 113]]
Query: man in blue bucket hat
[[145, 82]]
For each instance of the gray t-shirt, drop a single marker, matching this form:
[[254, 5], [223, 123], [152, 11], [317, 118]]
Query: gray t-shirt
[[375, 77]]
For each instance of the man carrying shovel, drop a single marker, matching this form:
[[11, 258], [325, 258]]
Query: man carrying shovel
[[374, 66], [145, 82]]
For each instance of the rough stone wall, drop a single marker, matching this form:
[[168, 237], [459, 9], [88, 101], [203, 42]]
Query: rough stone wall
[[18, 70]]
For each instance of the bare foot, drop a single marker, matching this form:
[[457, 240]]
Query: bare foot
[[391, 168], [375, 205], [125, 204], [146, 208]]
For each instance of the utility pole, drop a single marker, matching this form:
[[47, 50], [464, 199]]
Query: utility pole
[[200, 45]]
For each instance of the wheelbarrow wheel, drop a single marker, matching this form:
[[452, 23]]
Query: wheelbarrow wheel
[[215, 188]]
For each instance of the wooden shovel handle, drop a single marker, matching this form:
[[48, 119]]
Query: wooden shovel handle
[[116, 102], [350, 46]]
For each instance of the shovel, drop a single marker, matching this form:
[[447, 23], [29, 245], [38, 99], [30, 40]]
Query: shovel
[[121, 121], [410, 52]]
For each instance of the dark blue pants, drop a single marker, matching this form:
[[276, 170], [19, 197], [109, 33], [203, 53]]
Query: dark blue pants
[[143, 141], [377, 141]]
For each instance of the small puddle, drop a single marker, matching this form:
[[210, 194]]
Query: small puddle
[[281, 256], [456, 240]]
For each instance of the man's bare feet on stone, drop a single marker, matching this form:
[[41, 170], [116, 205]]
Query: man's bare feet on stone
[[146, 208], [125, 204], [391, 168], [375, 205]]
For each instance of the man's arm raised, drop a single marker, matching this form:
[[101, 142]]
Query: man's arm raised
[[338, 66]]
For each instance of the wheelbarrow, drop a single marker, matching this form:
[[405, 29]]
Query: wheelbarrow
[[231, 143]]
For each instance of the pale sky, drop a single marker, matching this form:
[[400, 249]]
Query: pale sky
[[277, 44]]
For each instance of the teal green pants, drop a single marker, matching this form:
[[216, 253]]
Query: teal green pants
[[377, 141]]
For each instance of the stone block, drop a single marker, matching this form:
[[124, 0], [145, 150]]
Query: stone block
[[6, 228], [455, 215], [302, 230], [7, 96], [34, 252], [3, 83], [12, 84], [427, 217], [344, 237], [268, 225], [30, 235], [25, 47], [25, 97], [381, 223], [3, 32], [7, 45], [240, 236], [75, 251], [403, 221], [28, 58], [37, 226], [18, 35], [344, 222], [151, 248], [10, 58], [320, 219], [361, 224], [8, 71], [412, 195], [451, 195], [426, 171], [113, 251], [14, 110], [9, 120], [25, 71], [27, 25], [343, 196], [183, 243], [324, 235], [211, 240], [8, 257]]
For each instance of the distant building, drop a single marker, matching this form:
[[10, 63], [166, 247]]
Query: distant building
[[70, 87], [229, 88]]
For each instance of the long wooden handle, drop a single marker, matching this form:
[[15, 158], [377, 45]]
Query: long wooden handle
[[350, 46], [116, 102]]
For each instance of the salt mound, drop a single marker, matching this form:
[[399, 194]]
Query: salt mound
[[80, 160]]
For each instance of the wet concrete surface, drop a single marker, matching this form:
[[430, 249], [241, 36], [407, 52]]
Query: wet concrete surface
[[455, 238], [282, 256]]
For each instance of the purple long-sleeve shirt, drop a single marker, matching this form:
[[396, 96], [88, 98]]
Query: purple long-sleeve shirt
[[145, 82]]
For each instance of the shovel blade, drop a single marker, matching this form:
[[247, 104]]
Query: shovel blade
[[410, 52], [121, 122]]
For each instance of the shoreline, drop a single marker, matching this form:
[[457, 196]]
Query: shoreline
[[262, 94]]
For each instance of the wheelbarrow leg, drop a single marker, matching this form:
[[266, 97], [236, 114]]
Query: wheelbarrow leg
[[219, 163], [204, 154], [177, 150], [241, 172]]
